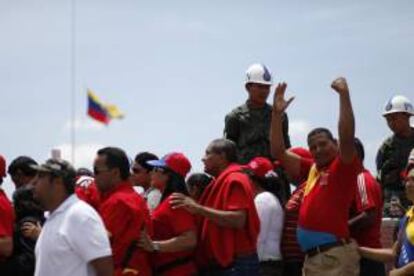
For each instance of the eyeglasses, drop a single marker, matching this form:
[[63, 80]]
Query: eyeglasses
[[159, 169], [97, 171], [136, 170]]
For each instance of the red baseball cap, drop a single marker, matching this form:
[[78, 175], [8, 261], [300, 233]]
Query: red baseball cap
[[260, 166], [175, 161], [2, 166], [302, 152]]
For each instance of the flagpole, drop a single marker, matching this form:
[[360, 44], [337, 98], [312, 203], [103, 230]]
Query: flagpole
[[73, 78]]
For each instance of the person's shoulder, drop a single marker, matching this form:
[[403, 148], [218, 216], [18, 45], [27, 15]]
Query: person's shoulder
[[265, 197], [125, 194], [387, 142], [237, 111], [369, 180], [80, 206], [81, 212], [236, 174]]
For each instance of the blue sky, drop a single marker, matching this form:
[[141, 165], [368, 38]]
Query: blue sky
[[175, 68]]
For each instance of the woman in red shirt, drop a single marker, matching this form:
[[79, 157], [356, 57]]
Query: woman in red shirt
[[174, 236]]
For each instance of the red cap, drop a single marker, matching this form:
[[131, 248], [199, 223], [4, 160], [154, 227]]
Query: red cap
[[302, 152], [260, 166], [2, 166], [175, 161]]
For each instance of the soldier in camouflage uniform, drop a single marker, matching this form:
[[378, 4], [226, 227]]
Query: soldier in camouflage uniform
[[249, 124], [393, 154]]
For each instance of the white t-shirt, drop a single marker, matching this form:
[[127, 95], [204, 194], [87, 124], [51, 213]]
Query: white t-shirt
[[271, 224], [153, 197], [72, 236]]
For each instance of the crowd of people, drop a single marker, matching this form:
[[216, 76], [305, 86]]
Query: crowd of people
[[238, 217]]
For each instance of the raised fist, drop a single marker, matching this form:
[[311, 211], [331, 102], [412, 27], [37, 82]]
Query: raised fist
[[340, 85]]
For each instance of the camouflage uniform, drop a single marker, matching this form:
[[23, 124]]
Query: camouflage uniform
[[249, 128], [391, 161]]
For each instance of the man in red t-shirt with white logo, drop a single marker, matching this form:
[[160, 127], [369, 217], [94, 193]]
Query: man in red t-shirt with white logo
[[322, 231], [366, 213]]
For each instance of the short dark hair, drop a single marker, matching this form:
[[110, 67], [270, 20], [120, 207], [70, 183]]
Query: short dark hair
[[227, 147], [116, 158], [201, 180], [142, 158], [359, 147], [320, 130], [25, 205], [22, 163], [84, 172]]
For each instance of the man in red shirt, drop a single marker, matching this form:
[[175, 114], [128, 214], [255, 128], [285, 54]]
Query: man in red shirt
[[366, 213], [323, 232], [123, 211], [6, 219], [228, 220]]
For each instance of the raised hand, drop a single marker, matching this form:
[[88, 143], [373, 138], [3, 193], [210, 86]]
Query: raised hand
[[340, 85], [280, 104]]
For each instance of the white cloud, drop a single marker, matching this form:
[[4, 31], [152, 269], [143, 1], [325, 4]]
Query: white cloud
[[83, 124], [84, 153], [298, 131]]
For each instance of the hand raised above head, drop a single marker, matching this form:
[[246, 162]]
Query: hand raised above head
[[280, 104], [340, 85]]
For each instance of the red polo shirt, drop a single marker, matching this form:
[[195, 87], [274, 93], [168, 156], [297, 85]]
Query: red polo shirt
[[125, 214], [326, 204], [368, 197], [169, 223]]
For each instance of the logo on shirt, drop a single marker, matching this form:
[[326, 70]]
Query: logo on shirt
[[323, 180], [266, 74]]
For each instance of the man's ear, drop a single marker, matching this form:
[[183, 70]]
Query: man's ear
[[223, 158], [247, 86], [117, 172]]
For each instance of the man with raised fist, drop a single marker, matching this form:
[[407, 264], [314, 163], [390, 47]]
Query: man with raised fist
[[330, 187]]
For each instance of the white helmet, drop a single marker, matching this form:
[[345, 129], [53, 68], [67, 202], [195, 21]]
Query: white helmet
[[398, 103], [258, 73]]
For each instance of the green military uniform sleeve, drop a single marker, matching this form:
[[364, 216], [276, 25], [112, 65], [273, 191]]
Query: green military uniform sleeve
[[231, 127], [379, 160]]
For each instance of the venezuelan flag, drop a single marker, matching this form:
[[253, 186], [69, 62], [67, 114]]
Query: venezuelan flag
[[102, 112]]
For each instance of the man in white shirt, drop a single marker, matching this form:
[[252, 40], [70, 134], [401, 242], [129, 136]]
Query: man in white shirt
[[73, 240]]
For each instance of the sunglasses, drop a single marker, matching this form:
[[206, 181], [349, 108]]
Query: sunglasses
[[136, 170], [159, 169], [97, 171]]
